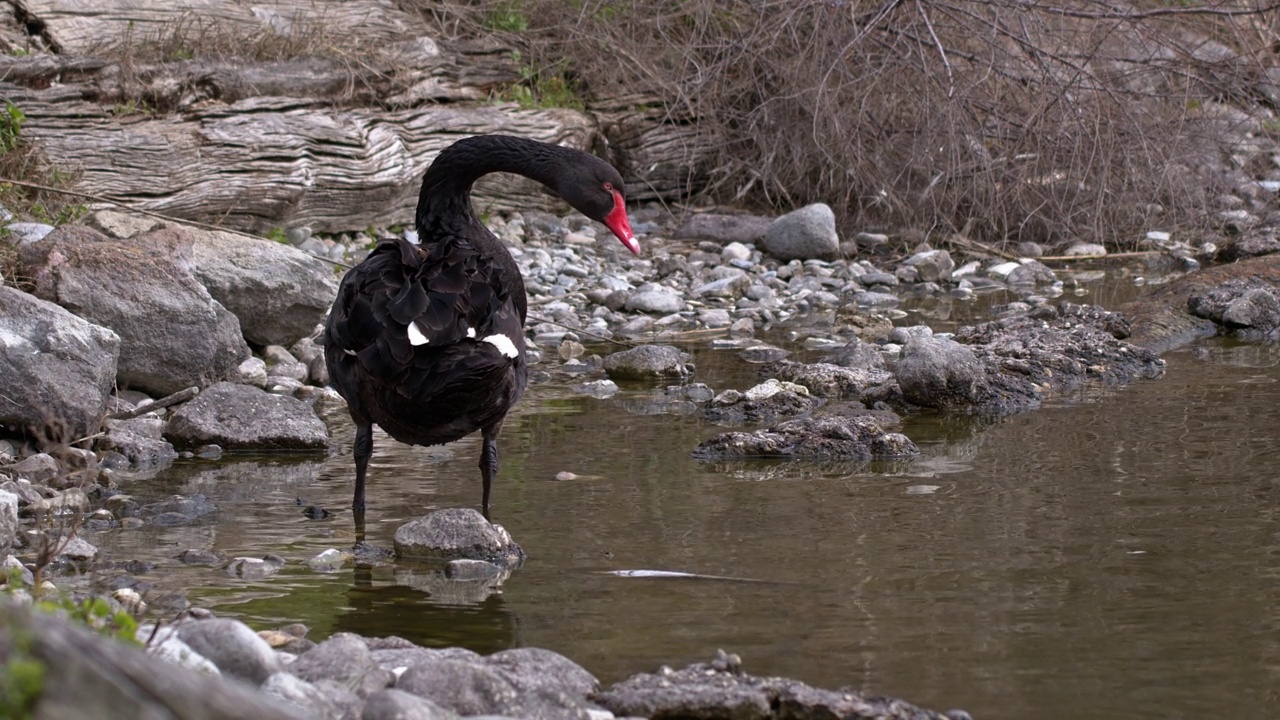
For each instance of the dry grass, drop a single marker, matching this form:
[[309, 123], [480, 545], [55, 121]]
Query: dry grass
[[1015, 121]]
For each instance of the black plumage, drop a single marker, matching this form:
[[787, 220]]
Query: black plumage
[[427, 340]]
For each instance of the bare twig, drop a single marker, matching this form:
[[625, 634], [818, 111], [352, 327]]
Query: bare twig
[[174, 399]]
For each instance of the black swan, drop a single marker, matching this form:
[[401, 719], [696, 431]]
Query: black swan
[[427, 340]]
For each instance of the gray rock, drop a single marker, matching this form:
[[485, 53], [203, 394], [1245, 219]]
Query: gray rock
[[344, 659], [140, 440], [721, 690], [724, 287], [8, 519], [322, 699], [737, 251], [240, 417], [878, 278], [39, 468], [1081, 249], [1256, 309], [828, 380], [164, 643], [508, 686], [91, 677], [231, 645], [662, 300], [457, 533], [809, 232], [543, 672], [395, 704], [56, 370], [724, 229], [836, 437], [251, 568], [1029, 249], [941, 373], [1031, 271], [932, 265], [173, 333], [647, 362], [28, 232]]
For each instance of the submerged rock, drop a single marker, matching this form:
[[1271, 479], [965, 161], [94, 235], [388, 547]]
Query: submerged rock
[[647, 362], [457, 533], [722, 690], [859, 437]]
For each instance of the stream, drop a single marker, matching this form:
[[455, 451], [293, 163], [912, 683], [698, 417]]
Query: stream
[[1114, 555]]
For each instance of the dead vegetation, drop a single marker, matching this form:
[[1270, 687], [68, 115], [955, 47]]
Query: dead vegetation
[[1009, 121]]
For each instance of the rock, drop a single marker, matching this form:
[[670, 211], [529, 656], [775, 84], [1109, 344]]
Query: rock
[[39, 468], [140, 440], [240, 417], [173, 333], [457, 533], [532, 685], [75, 549], [724, 229], [278, 293], [736, 251], [25, 233], [1029, 249], [932, 265], [399, 705], [56, 370], [809, 232], [599, 389], [89, 676], [1246, 307], [860, 437], [330, 560], [232, 646], [345, 659], [1082, 249], [941, 373], [722, 690], [778, 402], [8, 520], [1256, 309], [323, 699], [647, 362], [1030, 272], [176, 510], [828, 380], [164, 643], [250, 568], [656, 300]]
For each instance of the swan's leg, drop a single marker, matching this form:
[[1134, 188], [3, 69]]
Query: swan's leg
[[362, 448], [489, 463]]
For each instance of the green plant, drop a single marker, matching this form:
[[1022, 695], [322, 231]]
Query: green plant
[[21, 679], [542, 87], [95, 613], [11, 120], [278, 235], [507, 17]]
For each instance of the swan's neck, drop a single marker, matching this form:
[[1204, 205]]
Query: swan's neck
[[444, 204]]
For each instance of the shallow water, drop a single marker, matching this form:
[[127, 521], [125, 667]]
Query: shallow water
[[1114, 555]]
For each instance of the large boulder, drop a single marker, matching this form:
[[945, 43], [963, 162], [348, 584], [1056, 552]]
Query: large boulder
[[242, 417], [8, 520], [174, 334], [86, 676], [278, 292], [56, 370], [526, 683], [809, 232]]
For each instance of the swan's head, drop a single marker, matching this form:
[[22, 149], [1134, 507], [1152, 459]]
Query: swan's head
[[595, 189]]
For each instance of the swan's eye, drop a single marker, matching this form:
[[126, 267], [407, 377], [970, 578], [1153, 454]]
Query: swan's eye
[[608, 187]]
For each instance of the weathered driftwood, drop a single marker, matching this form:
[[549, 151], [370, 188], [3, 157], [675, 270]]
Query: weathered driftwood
[[334, 141]]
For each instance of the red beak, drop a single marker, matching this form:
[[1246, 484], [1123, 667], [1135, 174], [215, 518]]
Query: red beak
[[617, 221]]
